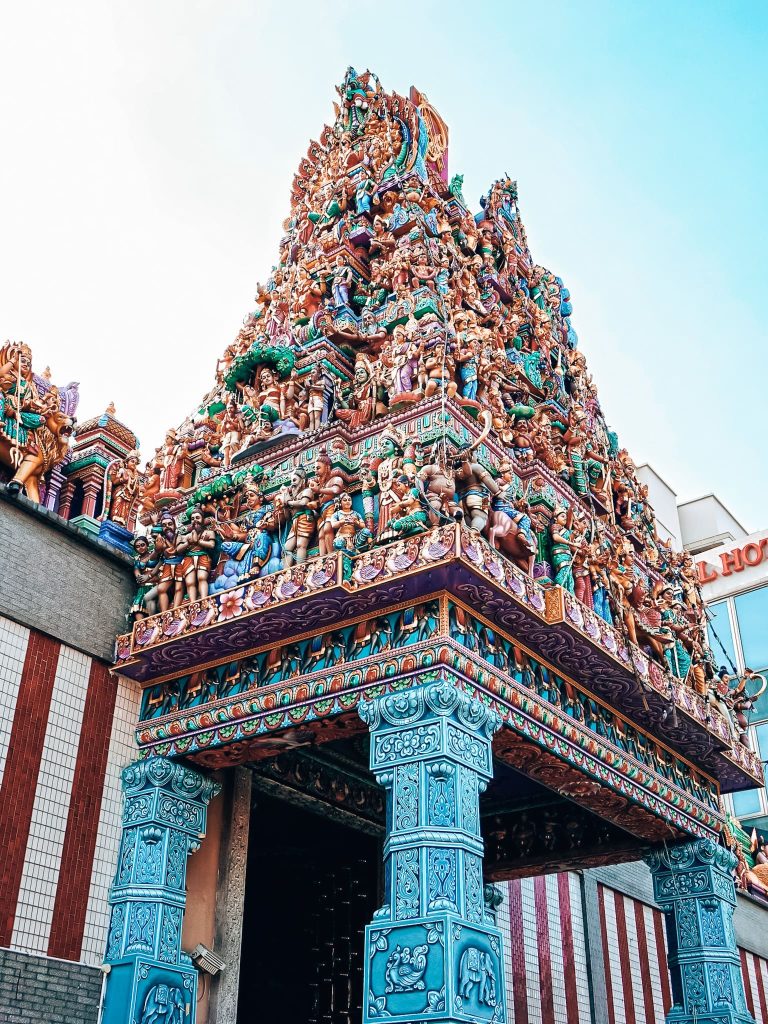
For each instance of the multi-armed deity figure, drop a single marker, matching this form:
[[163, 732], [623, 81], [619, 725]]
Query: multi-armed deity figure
[[407, 365], [36, 421]]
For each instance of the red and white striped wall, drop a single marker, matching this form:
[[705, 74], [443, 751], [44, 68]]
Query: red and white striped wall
[[548, 967], [66, 729], [635, 955], [546, 951], [754, 970]]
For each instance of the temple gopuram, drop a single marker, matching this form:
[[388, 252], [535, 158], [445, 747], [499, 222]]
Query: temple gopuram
[[396, 575]]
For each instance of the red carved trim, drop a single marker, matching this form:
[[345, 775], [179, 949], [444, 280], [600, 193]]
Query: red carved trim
[[542, 943], [642, 949], [747, 981], [624, 961], [661, 953], [761, 995]]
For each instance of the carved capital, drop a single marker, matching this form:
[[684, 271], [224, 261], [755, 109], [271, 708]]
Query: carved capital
[[441, 699], [171, 776]]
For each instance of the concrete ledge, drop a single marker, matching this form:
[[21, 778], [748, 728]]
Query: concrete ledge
[[60, 581], [56, 522]]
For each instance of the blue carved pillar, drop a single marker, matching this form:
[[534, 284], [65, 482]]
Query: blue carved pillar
[[693, 885], [432, 951], [150, 979]]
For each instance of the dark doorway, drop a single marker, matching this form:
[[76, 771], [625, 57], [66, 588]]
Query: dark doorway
[[311, 888]]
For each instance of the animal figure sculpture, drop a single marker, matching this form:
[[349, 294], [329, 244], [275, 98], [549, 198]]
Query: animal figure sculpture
[[405, 969], [477, 976], [164, 1004], [46, 448]]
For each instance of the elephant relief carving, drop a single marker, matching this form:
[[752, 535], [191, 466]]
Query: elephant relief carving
[[476, 969], [164, 1005]]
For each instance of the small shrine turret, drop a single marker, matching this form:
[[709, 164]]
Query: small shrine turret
[[100, 443]]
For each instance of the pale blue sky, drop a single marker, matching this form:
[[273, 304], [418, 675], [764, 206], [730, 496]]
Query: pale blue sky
[[148, 150]]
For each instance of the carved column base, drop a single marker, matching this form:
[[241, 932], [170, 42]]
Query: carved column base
[[436, 968], [142, 991]]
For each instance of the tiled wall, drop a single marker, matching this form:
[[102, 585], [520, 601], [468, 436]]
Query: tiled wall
[[542, 925], [13, 647], [754, 971], [46, 784], [636, 955], [49, 815], [122, 750]]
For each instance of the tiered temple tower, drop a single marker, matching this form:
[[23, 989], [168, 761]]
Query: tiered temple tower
[[399, 528]]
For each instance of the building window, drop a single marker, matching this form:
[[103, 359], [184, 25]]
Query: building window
[[752, 613], [747, 803], [721, 634]]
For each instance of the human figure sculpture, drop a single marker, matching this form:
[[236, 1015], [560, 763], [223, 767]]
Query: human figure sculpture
[[438, 482], [356, 404], [232, 431], [35, 431], [316, 397], [170, 458], [327, 485], [146, 574], [408, 511], [247, 543], [170, 587], [350, 533], [390, 466], [122, 490], [476, 486], [564, 544], [299, 499], [509, 527], [195, 546]]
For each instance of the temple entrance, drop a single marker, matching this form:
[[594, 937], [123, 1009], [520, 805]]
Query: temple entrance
[[312, 886]]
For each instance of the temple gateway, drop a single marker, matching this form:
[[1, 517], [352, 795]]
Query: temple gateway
[[402, 608]]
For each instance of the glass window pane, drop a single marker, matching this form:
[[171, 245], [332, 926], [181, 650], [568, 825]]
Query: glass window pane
[[761, 733], [760, 711], [746, 803], [752, 613], [719, 623]]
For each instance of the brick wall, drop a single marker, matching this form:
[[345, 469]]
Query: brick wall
[[39, 990]]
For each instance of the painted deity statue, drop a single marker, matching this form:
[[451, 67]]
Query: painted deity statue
[[350, 533], [196, 545], [123, 490], [389, 468], [247, 543], [299, 499], [35, 432]]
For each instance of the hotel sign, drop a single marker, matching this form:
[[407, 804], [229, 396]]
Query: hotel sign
[[726, 563]]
